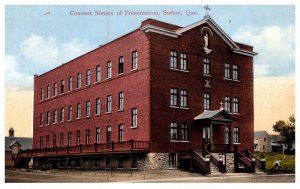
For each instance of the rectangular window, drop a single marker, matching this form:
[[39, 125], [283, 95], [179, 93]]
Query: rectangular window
[[174, 135], [87, 136], [54, 140], [62, 89], [206, 66], [41, 142], [121, 65], [70, 83], [88, 77], [48, 92], [98, 73], [108, 105], [134, 63], [54, 116], [121, 132], [78, 138], [184, 98], [227, 132], [61, 140], [98, 105], [121, 100], [88, 109], [98, 135], [42, 94], [206, 101], [78, 111], [235, 105], [62, 115], [235, 72], [70, 113], [227, 71], [55, 89], [41, 119], [173, 97], [78, 80], [134, 117], [183, 62], [184, 132], [48, 118], [69, 139], [236, 135], [227, 103], [108, 134], [108, 70], [173, 59], [47, 141], [172, 160]]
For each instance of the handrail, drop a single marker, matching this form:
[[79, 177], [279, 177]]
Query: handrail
[[244, 160], [252, 156], [212, 159], [197, 157]]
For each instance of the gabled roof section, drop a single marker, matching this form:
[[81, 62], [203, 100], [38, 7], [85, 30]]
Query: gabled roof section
[[215, 115], [258, 134], [14, 143], [26, 143]]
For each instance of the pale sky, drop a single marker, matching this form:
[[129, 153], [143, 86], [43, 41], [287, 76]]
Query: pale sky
[[39, 38]]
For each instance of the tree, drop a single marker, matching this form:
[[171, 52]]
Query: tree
[[286, 130]]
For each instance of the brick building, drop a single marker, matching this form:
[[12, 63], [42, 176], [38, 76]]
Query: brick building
[[155, 98]]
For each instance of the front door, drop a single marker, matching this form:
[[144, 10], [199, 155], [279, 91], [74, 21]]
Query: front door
[[206, 135]]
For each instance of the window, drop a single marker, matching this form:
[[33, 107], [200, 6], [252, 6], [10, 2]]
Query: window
[[98, 105], [264, 147], [121, 133], [108, 105], [78, 111], [69, 139], [121, 65], [79, 81], [183, 62], [69, 113], [70, 83], [206, 101], [55, 89], [98, 135], [173, 98], [108, 134], [54, 116], [173, 59], [41, 142], [108, 70], [88, 109], [54, 140], [88, 77], [206, 66], [172, 160], [235, 105], [48, 118], [134, 63], [42, 94], [87, 136], [41, 119], [61, 140], [227, 103], [236, 135], [173, 132], [98, 73], [47, 141], [121, 100], [227, 71], [235, 73], [62, 88], [78, 138], [184, 132], [227, 135], [134, 117], [264, 139], [184, 98], [62, 115], [48, 92]]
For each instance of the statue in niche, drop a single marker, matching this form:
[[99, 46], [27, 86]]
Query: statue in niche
[[205, 48]]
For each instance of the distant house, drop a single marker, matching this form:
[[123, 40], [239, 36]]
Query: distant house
[[13, 145], [276, 143], [262, 141]]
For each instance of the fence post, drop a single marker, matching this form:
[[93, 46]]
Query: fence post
[[263, 165], [253, 165]]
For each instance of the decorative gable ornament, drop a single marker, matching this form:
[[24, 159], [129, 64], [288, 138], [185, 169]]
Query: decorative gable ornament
[[205, 48]]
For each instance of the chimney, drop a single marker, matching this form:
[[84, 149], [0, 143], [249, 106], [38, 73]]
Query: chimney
[[11, 132]]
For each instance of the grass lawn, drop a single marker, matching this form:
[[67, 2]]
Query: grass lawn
[[287, 162]]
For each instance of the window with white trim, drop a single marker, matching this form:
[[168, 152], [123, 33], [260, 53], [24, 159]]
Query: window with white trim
[[206, 66], [70, 84], [78, 137], [134, 117], [134, 63], [62, 115], [62, 87], [173, 59], [235, 105], [121, 65], [54, 116], [88, 109], [108, 104], [70, 113], [48, 91], [173, 131], [227, 71], [108, 134], [41, 119], [227, 104], [173, 97], [55, 89], [121, 101], [236, 135], [227, 135], [48, 118], [88, 77], [172, 160], [98, 105], [42, 94], [78, 80], [98, 73], [108, 70], [206, 101], [78, 111], [98, 135], [121, 132], [184, 131], [69, 139], [235, 72], [183, 98], [87, 136], [54, 140], [183, 62]]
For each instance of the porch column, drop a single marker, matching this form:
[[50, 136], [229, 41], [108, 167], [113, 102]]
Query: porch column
[[211, 133]]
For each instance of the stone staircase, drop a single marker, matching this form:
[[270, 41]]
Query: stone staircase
[[214, 171]]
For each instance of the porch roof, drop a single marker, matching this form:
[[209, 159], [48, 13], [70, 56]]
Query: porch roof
[[215, 115]]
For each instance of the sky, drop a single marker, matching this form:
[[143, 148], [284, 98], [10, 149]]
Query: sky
[[40, 38]]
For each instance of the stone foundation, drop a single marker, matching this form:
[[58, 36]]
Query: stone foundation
[[229, 161]]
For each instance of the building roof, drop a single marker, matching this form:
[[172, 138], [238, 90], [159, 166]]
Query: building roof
[[276, 138], [258, 134], [26, 143], [217, 115]]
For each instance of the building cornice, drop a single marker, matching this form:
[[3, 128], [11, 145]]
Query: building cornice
[[150, 28]]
